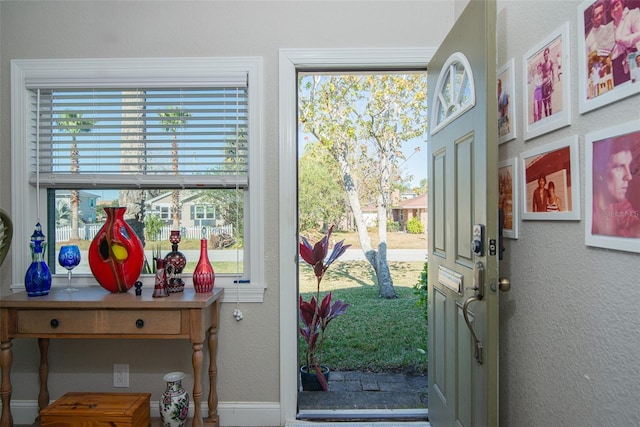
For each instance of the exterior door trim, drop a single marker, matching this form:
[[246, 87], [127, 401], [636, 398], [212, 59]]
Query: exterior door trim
[[291, 61]]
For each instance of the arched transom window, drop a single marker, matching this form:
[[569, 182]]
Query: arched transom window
[[456, 92]]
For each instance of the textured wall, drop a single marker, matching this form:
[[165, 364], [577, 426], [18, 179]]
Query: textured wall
[[569, 326]]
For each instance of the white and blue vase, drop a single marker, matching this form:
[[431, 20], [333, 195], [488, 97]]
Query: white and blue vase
[[174, 403], [37, 279]]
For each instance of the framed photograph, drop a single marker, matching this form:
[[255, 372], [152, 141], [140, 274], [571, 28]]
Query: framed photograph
[[612, 187], [506, 102], [508, 197], [551, 181], [608, 70], [546, 78]]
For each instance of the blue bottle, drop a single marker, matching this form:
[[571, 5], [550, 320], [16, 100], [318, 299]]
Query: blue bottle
[[38, 277]]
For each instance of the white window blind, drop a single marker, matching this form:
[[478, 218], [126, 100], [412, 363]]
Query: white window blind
[[140, 137], [230, 119]]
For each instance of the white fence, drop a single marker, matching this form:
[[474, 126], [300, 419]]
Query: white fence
[[89, 231]]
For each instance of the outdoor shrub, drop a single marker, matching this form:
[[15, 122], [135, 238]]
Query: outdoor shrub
[[420, 289], [152, 227], [393, 226], [414, 226]]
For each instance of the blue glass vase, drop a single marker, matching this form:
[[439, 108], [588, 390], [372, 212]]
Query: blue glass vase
[[38, 277]]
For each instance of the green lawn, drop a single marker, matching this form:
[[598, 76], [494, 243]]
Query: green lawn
[[374, 334]]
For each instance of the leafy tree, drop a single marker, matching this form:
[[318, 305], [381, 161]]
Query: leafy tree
[[362, 121], [229, 205], [424, 186], [172, 120], [74, 124], [320, 193]]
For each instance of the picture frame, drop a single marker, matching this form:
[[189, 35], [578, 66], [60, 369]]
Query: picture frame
[[547, 84], [508, 196], [556, 163], [601, 72], [612, 187], [507, 113]]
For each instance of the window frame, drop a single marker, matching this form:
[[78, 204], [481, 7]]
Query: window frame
[[120, 72]]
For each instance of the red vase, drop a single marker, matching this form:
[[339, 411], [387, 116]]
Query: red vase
[[203, 275], [116, 255]]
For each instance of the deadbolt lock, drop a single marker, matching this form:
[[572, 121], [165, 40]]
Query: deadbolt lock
[[477, 243]]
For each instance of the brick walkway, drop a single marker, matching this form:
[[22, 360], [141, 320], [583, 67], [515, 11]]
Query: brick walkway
[[362, 390]]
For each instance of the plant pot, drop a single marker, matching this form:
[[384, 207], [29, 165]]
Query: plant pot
[[309, 381]]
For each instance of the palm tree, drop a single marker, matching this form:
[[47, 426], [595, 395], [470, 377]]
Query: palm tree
[[72, 123], [173, 120]]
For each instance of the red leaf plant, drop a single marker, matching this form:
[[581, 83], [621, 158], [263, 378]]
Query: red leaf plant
[[315, 318]]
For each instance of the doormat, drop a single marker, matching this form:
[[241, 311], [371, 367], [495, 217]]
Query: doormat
[[358, 424]]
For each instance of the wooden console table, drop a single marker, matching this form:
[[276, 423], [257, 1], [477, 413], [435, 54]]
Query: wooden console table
[[95, 313]]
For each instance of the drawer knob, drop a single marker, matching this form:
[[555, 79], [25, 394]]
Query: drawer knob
[[139, 323], [54, 323]]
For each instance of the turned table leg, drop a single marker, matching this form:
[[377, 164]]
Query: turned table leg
[[197, 384], [43, 396], [213, 365], [6, 357]]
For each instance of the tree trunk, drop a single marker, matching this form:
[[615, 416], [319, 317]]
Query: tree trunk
[[175, 209], [75, 212], [135, 144], [75, 194], [175, 194], [385, 281], [378, 260]]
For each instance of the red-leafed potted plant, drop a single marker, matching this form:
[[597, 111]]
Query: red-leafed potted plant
[[316, 314]]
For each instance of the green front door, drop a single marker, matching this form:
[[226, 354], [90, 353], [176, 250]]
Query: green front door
[[463, 221]]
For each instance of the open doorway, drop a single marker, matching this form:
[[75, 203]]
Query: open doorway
[[362, 174], [291, 61]]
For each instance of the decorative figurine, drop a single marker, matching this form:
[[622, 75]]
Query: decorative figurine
[[160, 289], [174, 262], [138, 286]]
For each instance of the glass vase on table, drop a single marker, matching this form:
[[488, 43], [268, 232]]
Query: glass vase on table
[[69, 258]]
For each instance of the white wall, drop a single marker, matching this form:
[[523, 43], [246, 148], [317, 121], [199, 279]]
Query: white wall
[[569, 326], [248, 357]]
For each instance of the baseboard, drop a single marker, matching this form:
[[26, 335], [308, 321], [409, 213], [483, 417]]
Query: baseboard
[[231, 413]]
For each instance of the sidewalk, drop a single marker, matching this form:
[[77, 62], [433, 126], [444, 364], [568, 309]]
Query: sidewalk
[[363, 390]]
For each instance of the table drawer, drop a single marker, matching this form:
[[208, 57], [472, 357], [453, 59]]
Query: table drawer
[[136, 322], [57, 321], [147, 322]]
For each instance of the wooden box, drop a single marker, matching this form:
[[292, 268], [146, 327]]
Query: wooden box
[[98, 410]]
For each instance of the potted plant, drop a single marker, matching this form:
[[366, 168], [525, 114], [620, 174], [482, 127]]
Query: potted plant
[[315, 316]]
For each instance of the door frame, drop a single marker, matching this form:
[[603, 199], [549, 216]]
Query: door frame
[[290, 62]]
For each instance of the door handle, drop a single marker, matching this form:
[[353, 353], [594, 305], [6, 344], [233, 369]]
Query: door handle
[[477, 345], [478, 287]]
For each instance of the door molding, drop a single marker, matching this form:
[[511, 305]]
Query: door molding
[[291, 61]]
